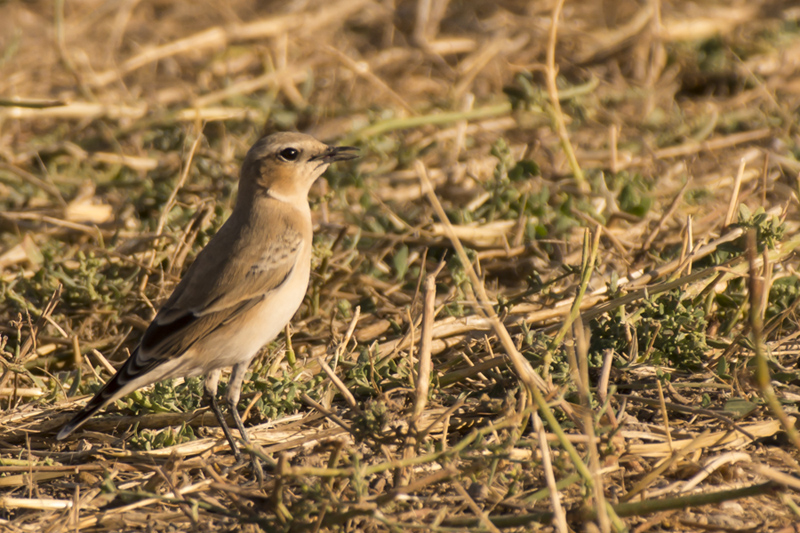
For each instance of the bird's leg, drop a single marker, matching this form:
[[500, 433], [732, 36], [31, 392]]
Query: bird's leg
[[210, 390], [232, 397]]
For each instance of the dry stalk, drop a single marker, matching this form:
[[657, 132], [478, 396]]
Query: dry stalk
[[682, 502], [218, 37], [424, 354], [328, 414], [533, 383], [734, 201], [756, 285], [673, 206], [664, 414], [482, 516], [39, 183], [549, 476], [162, 220], [29, 346], [552, 89], [483, 305], [343, 390], [589, 257]]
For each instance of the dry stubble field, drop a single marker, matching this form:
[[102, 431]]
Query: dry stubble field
[[558, 290]]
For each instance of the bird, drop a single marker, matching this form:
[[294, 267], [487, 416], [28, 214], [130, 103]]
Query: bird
[[242, 288]]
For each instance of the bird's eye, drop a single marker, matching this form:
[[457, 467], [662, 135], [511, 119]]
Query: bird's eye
[[289, 154]]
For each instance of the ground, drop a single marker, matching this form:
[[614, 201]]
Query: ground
[[556, 292]]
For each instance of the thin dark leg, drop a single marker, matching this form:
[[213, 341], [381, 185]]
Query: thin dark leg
[[212, 400], [240, 426]]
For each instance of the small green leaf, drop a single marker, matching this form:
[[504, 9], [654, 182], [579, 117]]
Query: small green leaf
[[400, 262], [739, 407]]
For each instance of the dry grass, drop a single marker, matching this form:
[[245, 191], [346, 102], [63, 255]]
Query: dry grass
[[522, 315]]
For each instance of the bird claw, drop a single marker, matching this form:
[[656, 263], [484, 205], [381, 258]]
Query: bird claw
[[255, 463]]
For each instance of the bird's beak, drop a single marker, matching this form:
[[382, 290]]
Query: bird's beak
[[337, 153]]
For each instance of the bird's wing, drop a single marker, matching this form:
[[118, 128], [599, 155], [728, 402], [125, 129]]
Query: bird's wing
[[215, 291]]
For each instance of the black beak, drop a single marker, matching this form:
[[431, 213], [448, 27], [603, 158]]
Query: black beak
[[337, 153]]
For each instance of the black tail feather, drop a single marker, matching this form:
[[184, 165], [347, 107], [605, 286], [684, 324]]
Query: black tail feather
[[94, 405], [109, 391]]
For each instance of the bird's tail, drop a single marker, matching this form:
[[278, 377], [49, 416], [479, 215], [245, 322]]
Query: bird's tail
[[113, 389], [94, 405]]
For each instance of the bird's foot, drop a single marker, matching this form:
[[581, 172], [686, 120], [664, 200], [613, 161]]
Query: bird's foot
[[256, 469]]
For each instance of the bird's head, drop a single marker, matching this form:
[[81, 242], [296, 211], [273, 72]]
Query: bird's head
[[285, 165]]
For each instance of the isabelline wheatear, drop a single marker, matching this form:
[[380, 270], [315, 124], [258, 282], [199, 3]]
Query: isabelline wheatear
[[242, 288]]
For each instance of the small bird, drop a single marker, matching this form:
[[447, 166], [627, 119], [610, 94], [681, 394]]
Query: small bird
[[243, 287]]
